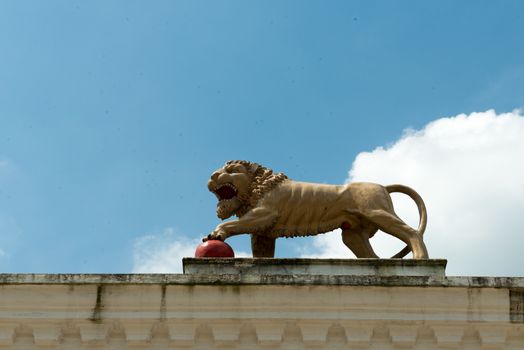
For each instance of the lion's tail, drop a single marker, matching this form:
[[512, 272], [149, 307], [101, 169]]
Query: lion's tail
[[423, 215]]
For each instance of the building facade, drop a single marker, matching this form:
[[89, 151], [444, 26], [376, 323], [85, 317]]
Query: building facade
[[276, 304]]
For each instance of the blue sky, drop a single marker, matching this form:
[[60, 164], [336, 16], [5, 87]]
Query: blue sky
[[114, 114]]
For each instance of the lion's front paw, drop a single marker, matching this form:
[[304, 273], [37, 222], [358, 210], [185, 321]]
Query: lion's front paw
[[215, 235]]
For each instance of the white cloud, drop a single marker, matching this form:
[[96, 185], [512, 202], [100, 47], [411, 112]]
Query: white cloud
[[470, 171], [163, 253]]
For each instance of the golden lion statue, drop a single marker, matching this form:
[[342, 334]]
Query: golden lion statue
[[270, 205]]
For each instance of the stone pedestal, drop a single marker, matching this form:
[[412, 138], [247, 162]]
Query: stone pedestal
[[324, 267]]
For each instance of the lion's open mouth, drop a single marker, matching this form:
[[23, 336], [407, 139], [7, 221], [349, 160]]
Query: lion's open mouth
[[225, 191]]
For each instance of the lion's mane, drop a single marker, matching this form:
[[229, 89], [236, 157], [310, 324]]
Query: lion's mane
[[263, 181]]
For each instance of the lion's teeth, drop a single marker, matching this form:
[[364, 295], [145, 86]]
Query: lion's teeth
[[225, 185]]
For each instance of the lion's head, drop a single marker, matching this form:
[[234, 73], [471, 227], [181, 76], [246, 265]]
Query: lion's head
[[239, 185]]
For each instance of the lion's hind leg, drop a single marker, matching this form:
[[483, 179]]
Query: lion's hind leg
[[393, 225], [358, 241]]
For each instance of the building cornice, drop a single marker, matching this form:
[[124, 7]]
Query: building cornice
[[239, 279]]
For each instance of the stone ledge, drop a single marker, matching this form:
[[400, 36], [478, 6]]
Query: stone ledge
[[237, 279], [328, 267]]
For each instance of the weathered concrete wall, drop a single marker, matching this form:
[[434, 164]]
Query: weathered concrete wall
[[260, 312]]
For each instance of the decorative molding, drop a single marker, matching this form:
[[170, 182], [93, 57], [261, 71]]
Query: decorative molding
[[46, 334], [358, 334], [269, 332], [448, 336], [182, 332], [225, 332], [403, 335], [314, 332], [492, 336], [92, 333], [7, 333]]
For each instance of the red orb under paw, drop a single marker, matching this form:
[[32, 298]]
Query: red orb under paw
[[214, 248]]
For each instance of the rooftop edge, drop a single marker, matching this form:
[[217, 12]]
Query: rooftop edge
[[246, 279]]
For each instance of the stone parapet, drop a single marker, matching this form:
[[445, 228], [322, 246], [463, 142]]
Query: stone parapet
[[242, 311]]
